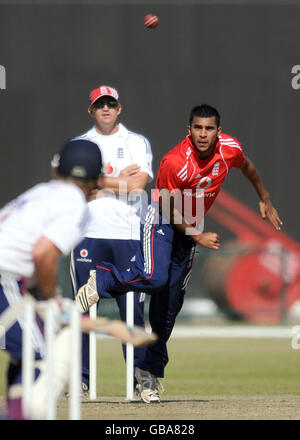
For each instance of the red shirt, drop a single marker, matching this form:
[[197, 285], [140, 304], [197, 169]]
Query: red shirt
[[199, 180]]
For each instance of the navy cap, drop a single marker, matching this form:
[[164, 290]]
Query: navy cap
[[79, 158]]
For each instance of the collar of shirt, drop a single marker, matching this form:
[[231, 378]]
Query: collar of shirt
[[121, 131]]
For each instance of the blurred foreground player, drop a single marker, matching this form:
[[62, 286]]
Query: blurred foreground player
[[189, 179], [114, 231], [35, 229]]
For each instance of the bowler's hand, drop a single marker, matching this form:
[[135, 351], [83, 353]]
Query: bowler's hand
[[208, 240], [268, 211]]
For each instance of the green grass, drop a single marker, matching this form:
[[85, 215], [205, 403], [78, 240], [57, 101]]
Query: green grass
[[207, 367], [3, 366], [233, 367]]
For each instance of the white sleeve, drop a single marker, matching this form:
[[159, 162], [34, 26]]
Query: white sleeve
[[66, 232], [67, 224], [143, 155]]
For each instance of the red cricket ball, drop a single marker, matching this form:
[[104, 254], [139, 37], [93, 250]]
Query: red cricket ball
[[151, 21]]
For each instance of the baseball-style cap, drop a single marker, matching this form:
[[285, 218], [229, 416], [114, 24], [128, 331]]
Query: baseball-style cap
[[79, 158], [103, 91]]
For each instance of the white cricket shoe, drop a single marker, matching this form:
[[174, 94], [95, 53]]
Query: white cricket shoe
[[148, 386], [87, 295], [84, 392]]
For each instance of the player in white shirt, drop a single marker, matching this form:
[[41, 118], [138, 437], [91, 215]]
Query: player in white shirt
[[35, 229], [114, 231]]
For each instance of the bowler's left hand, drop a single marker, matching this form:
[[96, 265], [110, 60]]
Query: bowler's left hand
[[268, 211]]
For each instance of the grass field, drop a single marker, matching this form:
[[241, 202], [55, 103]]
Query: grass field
[[205, 379]]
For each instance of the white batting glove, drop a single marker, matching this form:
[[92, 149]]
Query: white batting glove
[[87, 295]]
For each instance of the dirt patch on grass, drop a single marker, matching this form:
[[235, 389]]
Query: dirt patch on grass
[[283, 407], [187, 408]]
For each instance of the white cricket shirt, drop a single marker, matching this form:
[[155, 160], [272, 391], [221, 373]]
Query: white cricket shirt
[[118, 216], [56, 210]]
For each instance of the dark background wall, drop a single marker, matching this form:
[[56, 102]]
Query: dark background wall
[[235, 56]]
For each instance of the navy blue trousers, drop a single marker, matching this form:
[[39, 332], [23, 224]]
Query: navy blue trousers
[[162, 268], [11, 291], [85, 257]]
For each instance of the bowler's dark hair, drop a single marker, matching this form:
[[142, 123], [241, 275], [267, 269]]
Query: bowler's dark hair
[[205, 111]]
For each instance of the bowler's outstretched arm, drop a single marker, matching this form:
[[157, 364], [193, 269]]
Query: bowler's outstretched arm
[[266, 208]]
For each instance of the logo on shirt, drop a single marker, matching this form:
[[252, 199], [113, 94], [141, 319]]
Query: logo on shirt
[[120, 153], [84, 253], [110, 169], [216, 169], [199, 194], [204, 183]]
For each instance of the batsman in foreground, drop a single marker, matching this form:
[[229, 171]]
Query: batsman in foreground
[[35, 229], [189, 179]]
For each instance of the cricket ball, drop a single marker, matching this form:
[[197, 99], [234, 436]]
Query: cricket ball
[[151, 21]]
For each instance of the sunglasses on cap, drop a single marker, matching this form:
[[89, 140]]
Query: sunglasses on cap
[[110, 104]]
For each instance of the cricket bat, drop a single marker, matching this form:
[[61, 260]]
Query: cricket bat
[[136, 335]]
